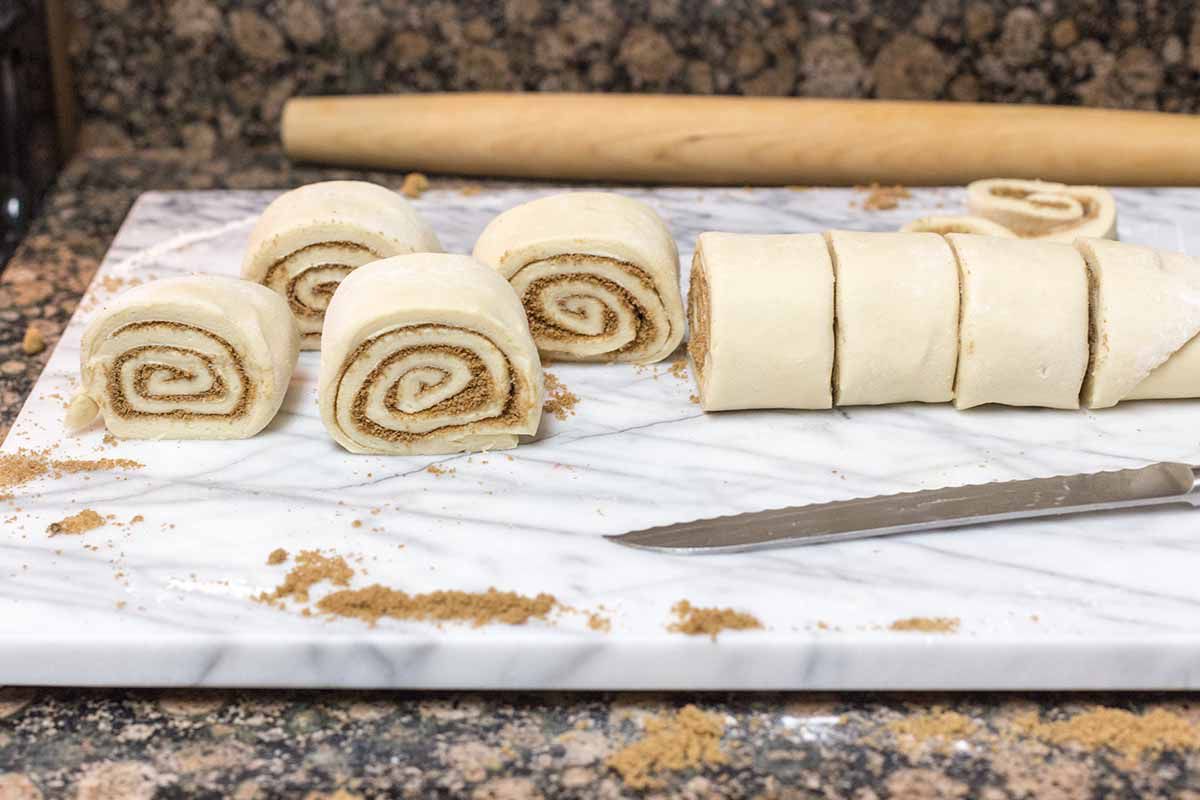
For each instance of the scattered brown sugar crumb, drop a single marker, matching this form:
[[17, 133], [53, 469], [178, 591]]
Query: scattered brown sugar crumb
[[478, 608], [937, 727], [25, 465], [21, 467], [311, 568], [84, 521], [470, 190], [33, 343], [926, 624], [695, 621], [277, 556], [689, 740], [74, 465], [560, 401], [1132, 735], [882, 198], [599, 623], [136, 519], [434, 469], [415, 185], [679, 368], [694, 399], [356, 524]]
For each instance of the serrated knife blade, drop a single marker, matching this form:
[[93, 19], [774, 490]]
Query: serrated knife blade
[[931, 509]]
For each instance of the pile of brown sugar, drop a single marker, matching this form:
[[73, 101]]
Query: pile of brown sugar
[[1129, 734], [691, 739], [26, 465], [696, 621], [559, 400], [84, 521], [679, 368], [376, 601], [883, 198], [926, 624], [478, 608], [311, 568]]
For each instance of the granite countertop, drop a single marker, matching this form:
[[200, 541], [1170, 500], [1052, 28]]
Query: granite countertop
[[248, 744]]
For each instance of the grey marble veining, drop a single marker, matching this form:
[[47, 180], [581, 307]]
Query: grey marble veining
[[1099, 601]]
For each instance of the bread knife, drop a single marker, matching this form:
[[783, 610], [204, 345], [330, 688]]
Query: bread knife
[[929, 510]]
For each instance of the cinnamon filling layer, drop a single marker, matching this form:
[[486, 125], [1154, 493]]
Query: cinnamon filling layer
[[1091, 209], [145, 372], [699, 311], [479, 389], [551, 334], [308, 291]]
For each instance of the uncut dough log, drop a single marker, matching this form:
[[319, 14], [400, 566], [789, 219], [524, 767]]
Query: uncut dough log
[[760, 310], [598, 274], [199, 357], [428, 353], [1044, 210], [896, 311], [957, 224], [1024, 328], [307, 240], [1145, 323]]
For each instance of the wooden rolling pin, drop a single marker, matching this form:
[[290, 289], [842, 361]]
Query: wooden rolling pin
[[741, 140]]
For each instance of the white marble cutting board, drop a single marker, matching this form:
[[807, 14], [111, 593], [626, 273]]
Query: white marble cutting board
[[1098, 602]]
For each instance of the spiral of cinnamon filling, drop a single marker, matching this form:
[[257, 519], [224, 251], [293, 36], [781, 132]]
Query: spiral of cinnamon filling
[[308, 277], [417, 382], [196, 357], [199, 375], [592, 307]]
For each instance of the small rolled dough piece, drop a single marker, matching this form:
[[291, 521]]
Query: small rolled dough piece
[[195, 357], [309, 239], [597, 273], [1024, 329], [958, 224], [1145, 323], [761, 314], [1044, 210], [425, 354], [896, 312]]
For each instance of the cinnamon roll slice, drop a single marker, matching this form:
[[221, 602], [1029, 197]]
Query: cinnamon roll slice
[[428, 354], [199, 357], [597, 273], [1023, 335], [307, 240], [1145, 327], [896, 306], [1044, 210], [760, 309]]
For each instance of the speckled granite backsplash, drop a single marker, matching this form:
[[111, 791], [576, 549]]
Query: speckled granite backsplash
[[203, 74]]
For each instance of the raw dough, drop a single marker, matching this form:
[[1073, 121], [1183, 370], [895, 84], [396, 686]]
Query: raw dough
[[1044, 210], [428, 353], [598, 274], [896, 312], [761, 315], [309, 239], [1145, 323], [199, 357], [1024, 329], [957, 224]]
